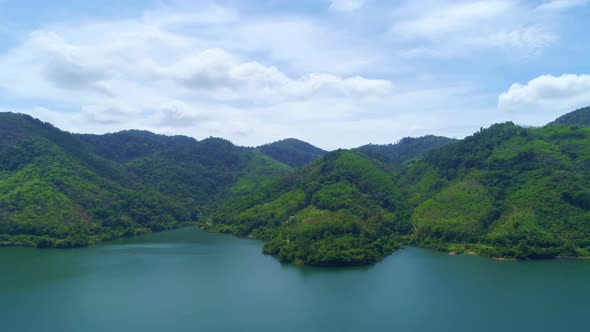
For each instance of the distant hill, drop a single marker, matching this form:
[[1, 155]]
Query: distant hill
[[406, 149], [577, 117], [196, 173], [292, 152], [128, 145]]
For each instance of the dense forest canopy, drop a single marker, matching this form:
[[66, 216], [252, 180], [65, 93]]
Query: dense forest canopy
[[407, 149], [577, 117], [292, 152], [59, 189], [506, 191]]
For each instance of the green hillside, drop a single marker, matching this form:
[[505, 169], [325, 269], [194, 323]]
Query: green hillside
[[407, 149], [59, 189], [506, 191], [197, 174], [128, 145], [53, 194], [577, 117], [292, 152], [344, 209]]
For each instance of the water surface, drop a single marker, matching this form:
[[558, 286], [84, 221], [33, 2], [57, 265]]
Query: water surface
[[189, 280]]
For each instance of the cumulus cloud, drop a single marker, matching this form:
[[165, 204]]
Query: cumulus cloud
[[547, 93], [347, 5], [233, 79]]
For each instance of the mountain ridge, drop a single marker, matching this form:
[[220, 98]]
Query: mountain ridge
[[505, 191]]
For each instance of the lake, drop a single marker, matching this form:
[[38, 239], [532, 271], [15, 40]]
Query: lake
[[190, 280]]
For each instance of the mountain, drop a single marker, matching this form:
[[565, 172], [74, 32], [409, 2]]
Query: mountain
[[197, 174], [60, 189], [128, 145], [406, 149], [343, 209], [506, 191], [577, 117], [292, 152], [55, 194]]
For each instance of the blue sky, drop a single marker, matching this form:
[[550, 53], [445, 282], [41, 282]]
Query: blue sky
[[336, 73]]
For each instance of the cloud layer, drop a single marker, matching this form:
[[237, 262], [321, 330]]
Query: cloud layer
[[347, 73], [462, 28]]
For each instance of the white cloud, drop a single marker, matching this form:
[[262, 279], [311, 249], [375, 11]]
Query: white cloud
[[547, 93], [225, 77], [560, 5], [154, 72], [257, 76], [449, 19], [451, 29], [61, 60], [347, 5]]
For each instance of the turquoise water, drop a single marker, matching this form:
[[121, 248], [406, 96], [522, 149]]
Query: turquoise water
[[189, 280]]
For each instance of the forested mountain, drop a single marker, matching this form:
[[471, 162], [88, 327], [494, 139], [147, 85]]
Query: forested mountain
[[128, 145], [408, 148], [506, 191], [59, 189], [54, 193], [292, 152], [577, 117], [344, 209], [197, 174]]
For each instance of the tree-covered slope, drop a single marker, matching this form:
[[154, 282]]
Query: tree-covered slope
[[506, 191], [15, 127], [343, 209], [577, 117], [406, 149], [128, 145], [52, 193], [292, 152], [59, 189], [197, 174]]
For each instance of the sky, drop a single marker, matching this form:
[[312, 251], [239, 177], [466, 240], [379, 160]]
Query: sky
[[335, 73]]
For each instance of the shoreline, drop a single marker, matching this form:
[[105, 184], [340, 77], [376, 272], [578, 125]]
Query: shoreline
[[509, 259], [5, 244]]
